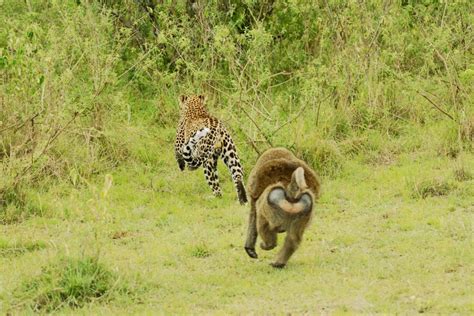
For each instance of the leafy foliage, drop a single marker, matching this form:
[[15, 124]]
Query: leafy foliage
[[373, 94]]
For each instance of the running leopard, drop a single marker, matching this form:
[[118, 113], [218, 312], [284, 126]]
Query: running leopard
[[201, 139]]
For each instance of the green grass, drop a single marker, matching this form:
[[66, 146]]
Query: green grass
[[96, 218], [374, 246], [70, 283], [14, 248]]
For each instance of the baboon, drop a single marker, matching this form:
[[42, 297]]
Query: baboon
[[282, 191]]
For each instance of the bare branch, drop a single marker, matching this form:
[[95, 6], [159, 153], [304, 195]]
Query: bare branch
[[290, 120], [437, 106], [19, 125]]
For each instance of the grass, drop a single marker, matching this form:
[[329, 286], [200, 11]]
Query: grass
[[9, 248], [434, 187], [95, 217], [374, 245], [71, 282]]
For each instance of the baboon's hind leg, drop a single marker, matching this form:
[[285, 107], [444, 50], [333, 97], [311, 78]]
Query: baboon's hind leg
[[292, 241]]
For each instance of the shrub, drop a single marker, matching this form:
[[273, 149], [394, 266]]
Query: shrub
[[462, 174], [200, 251], [324, 156], [430, 188], [71, 282], [9, 248], [16, 206]]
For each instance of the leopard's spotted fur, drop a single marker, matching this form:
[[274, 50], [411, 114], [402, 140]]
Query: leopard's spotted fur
[[201, 139]]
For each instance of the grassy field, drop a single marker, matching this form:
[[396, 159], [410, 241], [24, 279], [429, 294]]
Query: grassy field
[[387, 238], [96, 218]]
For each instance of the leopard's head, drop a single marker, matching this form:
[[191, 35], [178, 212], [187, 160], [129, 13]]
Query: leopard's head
[[192, 106]]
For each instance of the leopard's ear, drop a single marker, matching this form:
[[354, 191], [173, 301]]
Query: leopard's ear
[[202, 97], [183, 98]]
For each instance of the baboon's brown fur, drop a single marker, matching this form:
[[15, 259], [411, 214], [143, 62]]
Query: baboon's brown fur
[[285, 210]]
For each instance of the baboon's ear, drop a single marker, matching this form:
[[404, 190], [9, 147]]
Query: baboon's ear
[[182, 98]]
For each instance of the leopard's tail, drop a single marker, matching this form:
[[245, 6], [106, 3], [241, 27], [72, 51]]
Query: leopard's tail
[[241, 192], [232, 161]]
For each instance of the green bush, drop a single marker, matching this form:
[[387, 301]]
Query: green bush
[[431, 188], [71, 282], [85, 81], [9, 248]]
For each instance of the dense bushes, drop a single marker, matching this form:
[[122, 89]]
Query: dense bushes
[[75, 74]]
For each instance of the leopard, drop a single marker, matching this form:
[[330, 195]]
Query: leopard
[[201, 139]]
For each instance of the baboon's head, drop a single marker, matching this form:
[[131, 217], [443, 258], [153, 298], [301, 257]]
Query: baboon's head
[[192, 106], [296, 198]]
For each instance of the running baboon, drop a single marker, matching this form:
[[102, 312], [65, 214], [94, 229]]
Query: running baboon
[[282, 191]]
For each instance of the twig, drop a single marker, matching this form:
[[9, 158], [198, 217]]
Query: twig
[[281, 73], [249, 139], [377, 32], [135, 64], [251, 142], [255, 123], [51, 139], [437, 106], [248, 115], [290, 120], [319, 107], [21, 124]]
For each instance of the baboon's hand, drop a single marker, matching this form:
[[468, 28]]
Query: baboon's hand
[[278, 265], [251, 252]]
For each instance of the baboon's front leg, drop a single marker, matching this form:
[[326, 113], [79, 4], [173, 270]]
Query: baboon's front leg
[[252, 230], [292, 242]]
